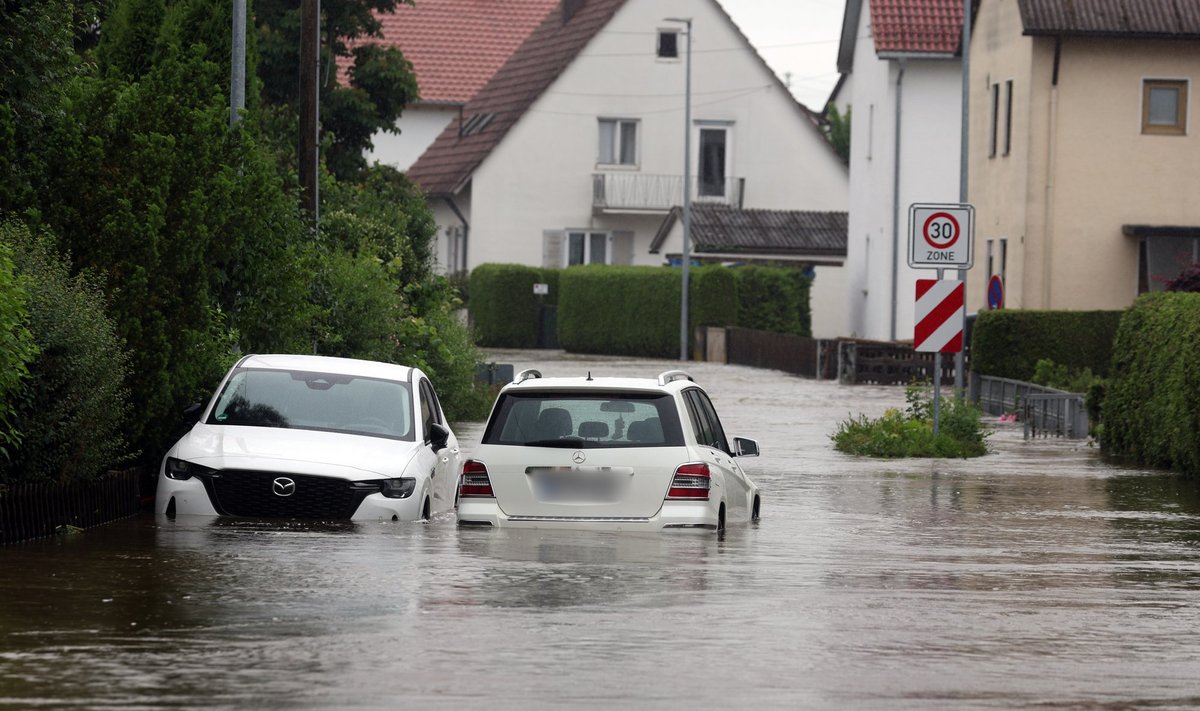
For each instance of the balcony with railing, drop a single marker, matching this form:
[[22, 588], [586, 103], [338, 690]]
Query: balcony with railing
[[638, 192]]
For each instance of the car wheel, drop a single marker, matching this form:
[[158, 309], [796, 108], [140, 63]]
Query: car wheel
[[754, 510], [425, 510], [721, 518]]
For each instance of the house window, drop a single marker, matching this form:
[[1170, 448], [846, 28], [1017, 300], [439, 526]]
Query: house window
[[995, 120], [618, 142], [1164, 106], [668, 44], [1008, 99], [588, 248], [713, 143]]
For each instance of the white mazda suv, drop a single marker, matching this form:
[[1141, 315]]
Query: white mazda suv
[[313, 437], [607, 454]]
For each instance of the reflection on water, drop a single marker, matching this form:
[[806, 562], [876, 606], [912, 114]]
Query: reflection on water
[[1039, 576]]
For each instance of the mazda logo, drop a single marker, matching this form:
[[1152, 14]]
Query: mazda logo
[[579, 457], [283, 486]]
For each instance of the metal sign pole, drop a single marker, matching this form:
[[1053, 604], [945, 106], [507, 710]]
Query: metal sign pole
[[937, 384]]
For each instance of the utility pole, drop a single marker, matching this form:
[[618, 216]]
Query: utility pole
[[237, 80], [310, 57], [964, 145], [687, 189]]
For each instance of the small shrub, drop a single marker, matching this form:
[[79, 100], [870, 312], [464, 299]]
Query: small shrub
[[74, 406], [909, 433], [1188, 280], [17, 347]]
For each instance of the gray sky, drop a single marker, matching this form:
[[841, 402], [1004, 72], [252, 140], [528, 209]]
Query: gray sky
[[799, 37]]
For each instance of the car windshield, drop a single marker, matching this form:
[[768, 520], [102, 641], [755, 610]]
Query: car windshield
[[591, 420], [316, 401]]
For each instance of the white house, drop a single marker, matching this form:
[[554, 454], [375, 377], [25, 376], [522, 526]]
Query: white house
[[573, 151], [454, 46], [904, 91]]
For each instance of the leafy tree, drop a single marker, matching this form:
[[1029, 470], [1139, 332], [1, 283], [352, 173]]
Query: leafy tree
[[837, 130], [381, 80], [17, 347]]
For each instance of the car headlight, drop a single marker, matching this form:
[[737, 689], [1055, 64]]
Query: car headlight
[[398, 488], [182, 470]]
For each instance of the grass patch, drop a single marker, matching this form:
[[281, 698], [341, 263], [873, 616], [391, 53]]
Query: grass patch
[[909, 433]]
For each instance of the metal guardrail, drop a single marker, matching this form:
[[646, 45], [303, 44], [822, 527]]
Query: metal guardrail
[[887, 363], [1044, 411]]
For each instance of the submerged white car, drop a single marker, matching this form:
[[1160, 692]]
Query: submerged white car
[[313, 437], [607, 454]]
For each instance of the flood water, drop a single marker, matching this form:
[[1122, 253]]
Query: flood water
[[1036, 577]]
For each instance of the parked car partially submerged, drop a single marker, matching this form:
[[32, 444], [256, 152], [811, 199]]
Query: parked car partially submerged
[[312, 437], [607, 453]]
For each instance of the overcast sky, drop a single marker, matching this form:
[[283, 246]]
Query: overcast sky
[[799, 37]]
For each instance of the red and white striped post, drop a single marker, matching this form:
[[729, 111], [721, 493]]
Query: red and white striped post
[[940, 315]]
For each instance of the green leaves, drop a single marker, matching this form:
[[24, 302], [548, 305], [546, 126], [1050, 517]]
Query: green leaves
[[910, 433]]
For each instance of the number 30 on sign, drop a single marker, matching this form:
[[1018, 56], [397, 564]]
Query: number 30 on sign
[[941, 236]]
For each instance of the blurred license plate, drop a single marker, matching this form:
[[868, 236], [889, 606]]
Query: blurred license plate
[[576, 484]]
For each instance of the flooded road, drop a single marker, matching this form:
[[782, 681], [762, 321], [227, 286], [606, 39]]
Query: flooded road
[[1036, 577]]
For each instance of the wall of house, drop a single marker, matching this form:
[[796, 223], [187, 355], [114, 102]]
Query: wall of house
[[930, 123], [540, 177], [419, 125], [1079, 168]]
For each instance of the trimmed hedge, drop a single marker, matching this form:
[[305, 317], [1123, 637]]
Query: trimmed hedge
[[635, 310], [1009, 343], [1152, 407], [503, 305], [774, 299]]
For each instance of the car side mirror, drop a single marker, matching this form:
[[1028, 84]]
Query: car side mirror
[[743, 447], [439, 436], [192, 413]]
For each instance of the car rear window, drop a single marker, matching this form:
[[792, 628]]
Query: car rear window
[[591, 420]]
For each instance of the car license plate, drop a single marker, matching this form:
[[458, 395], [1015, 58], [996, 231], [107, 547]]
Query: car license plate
[[583, 484]]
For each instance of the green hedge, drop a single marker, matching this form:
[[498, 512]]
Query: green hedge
[[635, 310], [774, 299], [1152, 407], [503, 305], [1009, 343]]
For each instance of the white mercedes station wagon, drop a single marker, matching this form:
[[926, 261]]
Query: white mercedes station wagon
[[312, 437], [606, 454]]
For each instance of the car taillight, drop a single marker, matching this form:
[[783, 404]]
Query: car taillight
[[475, 482], [691, 482]]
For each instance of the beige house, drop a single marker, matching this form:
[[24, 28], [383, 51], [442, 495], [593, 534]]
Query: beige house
[[1084, 149]]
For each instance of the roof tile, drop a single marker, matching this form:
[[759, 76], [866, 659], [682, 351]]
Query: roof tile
[[1139, 18], [455, 46], [730, 230], [917, 26]]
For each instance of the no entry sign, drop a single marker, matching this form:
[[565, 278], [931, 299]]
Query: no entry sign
[[940, 316], [941, 236]]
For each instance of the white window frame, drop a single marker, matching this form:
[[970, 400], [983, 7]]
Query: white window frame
[[620, 126], [586, 235]]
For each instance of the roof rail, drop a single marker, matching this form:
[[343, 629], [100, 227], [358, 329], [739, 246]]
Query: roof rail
[[668, 376], [527, 374]]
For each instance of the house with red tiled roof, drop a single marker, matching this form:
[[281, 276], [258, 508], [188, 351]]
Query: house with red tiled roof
[[573, 152], [455, 46], [902, 82], [1084, 149]]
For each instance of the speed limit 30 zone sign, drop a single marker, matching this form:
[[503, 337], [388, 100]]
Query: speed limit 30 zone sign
[[941, 236]]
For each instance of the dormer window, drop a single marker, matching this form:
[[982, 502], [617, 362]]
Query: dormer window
[[668, 44]]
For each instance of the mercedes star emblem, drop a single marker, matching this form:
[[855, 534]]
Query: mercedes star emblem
[[283, 486], [579, 457]]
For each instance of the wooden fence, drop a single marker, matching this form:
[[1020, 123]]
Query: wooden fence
[[41, 509], [809, 357]]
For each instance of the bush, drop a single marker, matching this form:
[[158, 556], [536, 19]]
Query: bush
[[1009, 343], [503, 305], [1152, 407], [17, 347], [635, 310], [74, 405], [910, 433], [774, 299]]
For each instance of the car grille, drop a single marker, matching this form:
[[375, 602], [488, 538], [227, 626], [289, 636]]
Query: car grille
[[251, 493]]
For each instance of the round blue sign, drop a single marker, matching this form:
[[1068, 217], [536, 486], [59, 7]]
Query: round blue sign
[[995, 292]]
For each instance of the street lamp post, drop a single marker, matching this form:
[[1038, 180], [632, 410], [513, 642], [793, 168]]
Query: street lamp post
[[687, 189]]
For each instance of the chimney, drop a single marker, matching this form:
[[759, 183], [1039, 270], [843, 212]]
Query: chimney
[[569, 8]]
